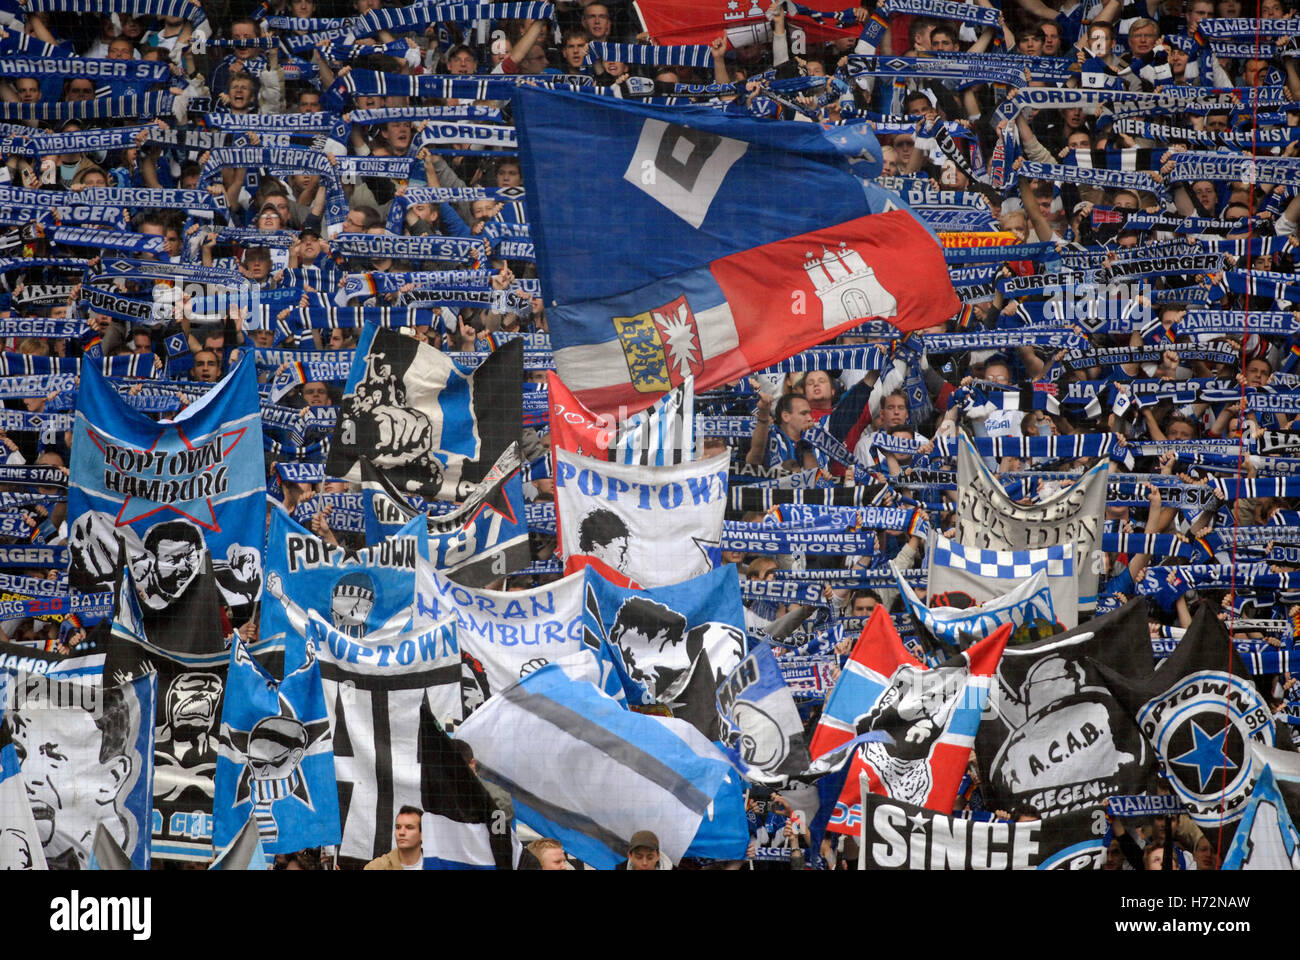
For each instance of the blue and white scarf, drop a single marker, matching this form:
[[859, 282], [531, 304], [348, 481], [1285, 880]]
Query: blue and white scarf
[[440, 133], [185, 9], [285, 159], [430, 247], [1247, 27], [1109, 179], [1190, 166], [644, 54], [153, 104]]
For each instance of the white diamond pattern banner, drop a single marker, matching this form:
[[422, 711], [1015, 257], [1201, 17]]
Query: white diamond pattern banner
[[987, 517], [648, 526]]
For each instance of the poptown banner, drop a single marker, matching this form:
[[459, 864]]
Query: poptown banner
[[185, 496], [650, 525]]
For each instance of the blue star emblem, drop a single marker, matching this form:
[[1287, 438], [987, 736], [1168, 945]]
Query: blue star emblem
[[1206, 754]]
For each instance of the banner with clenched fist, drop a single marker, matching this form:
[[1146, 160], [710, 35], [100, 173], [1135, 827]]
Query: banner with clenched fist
[[434, 429]]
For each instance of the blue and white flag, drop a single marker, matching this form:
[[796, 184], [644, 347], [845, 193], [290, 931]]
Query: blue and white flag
[[276, 760], [434, 429], [87, 759], [656, 638], [607, 772], [510, 633], [82, 667], [180, 494], [367, 592], [20, 841], [461, 828], [630, 320], [245, 852], [1266, 837], [762, 733], [1027, 606], [374, 694]]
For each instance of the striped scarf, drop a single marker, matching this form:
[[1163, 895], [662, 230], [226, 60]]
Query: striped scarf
[[418, 16], [184, 9], [946, 10], [376, 284], [1166, 133], [440, 133], [928, 68], [1109, 179], [464, 111], [281, 159], [145, 72], [644, 54], [498, 87], [343, 51], [388, 168], [1247, 27], [866, 357], [1112, 356], [152, 104], [82, 141], [1068, 447], [1259, 283]]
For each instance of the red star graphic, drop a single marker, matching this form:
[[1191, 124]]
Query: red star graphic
[[211, 524], [508, 513]]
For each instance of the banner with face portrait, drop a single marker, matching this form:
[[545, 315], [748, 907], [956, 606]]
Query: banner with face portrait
[[653, 526], [657, 639], [20, 841], [87, 760], [362, 593], [187, 498], [276, 761], [482, 540], [191, 685]]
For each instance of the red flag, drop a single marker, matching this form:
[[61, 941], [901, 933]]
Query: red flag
[[932, 715], [674, 22], [573, 426]]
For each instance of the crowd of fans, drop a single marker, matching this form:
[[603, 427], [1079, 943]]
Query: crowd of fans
[[285, 243]]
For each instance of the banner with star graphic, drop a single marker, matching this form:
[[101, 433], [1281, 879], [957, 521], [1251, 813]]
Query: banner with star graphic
[[187, 497], [276, 759], [1202, 712]]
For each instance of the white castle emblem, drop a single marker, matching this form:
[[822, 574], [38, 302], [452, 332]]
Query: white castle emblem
[[847, 287]]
